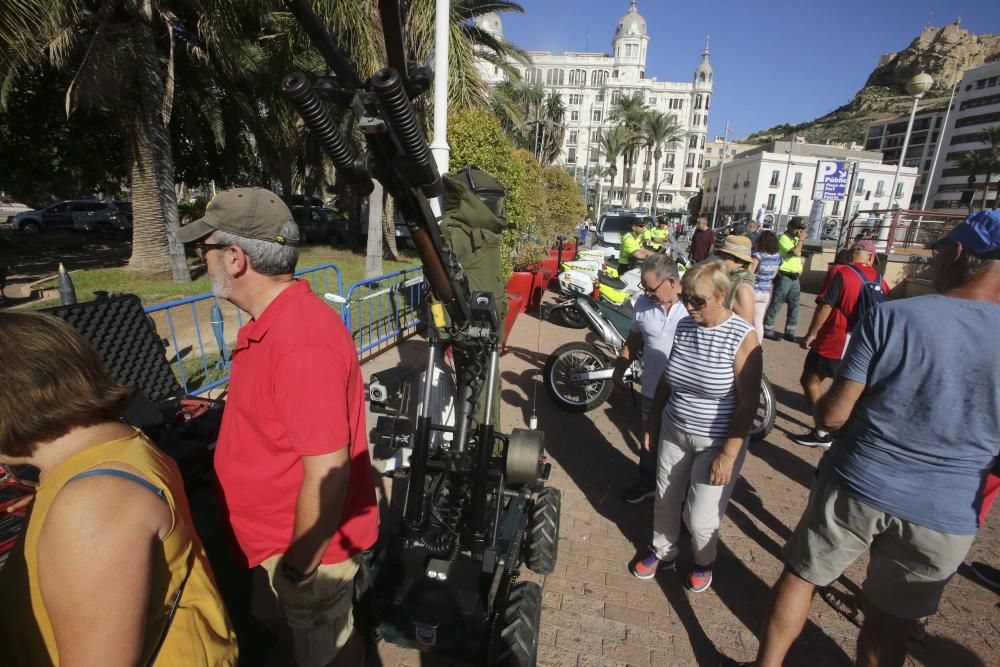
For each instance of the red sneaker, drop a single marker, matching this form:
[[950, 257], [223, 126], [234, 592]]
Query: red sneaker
[[700, 578]]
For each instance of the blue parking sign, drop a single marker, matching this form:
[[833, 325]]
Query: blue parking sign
[[831, 180]]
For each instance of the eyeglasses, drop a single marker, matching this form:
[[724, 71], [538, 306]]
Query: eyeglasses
[[652, 290], [201, 249], [693, 301]]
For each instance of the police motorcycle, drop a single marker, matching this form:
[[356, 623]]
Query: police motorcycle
[[577, 375]]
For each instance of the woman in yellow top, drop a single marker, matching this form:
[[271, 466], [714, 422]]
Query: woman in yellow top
[[109, 570]]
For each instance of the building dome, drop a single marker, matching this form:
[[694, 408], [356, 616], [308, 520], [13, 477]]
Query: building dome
[[490, 22], [631, 24], [703, 74]]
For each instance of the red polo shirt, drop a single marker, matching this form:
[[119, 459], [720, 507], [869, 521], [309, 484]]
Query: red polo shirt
[[841, 291], [295, 390]]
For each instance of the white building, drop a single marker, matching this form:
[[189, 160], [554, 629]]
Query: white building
[[887, 136], [784, 181], [590, 82], [976, 107], [718, 148]]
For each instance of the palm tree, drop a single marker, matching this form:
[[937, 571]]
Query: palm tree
[[975, 163], [991, 136], [629, 111], [660, 130], [121, 55], [614, 142]]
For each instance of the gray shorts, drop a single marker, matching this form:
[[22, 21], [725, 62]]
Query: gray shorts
[[909, 565]]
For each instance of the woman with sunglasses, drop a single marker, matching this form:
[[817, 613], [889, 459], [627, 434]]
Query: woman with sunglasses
[[712, 378]]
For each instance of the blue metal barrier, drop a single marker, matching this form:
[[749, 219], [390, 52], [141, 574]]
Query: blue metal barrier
[[381, 309], [375, 311]]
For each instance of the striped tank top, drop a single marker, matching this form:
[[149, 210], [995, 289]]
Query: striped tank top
[[700, 373]]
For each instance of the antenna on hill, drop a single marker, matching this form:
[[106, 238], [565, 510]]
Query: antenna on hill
[[930, 20]]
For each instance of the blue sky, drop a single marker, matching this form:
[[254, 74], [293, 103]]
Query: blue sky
[[775, 61]]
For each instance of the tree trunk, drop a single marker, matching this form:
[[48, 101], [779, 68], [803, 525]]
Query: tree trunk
[[389, 228], [627, 184], [155, 248], [373, 258], [656, 185]]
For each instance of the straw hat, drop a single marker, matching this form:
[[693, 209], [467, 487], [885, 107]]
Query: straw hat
[[737, 246]]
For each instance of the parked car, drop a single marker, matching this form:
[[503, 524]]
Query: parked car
[[8, 211], [320, 225], [76, 214]]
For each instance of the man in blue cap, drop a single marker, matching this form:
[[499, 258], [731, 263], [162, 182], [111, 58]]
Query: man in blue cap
[[916, 411]]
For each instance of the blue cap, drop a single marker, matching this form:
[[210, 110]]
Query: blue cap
[[978, 234]]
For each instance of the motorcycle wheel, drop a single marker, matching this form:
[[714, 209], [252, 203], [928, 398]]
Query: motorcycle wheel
[[572, 317], [575, 396], [767, 410]]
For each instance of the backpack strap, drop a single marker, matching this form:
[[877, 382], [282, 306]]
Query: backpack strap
[[861, 274], [149, 486]]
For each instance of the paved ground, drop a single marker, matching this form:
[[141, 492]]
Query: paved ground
[[596, 614]]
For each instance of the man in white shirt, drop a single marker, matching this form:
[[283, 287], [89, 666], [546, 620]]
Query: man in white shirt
[[761, 212], [657, 313]]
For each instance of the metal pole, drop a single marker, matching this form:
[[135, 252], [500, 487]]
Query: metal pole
[[784, 184], [902, 154], [442, 24], [937, 149], [722, 165], [855, 167]]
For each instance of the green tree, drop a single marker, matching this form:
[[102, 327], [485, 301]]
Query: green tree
[[975, 163], [991, 136], [659, 130], [121, 56], [629, 111], [614, 143]]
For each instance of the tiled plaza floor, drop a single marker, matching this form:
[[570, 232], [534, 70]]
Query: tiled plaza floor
[[596, 614]]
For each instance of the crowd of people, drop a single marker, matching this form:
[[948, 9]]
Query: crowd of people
[[111, 570], [911, 421]]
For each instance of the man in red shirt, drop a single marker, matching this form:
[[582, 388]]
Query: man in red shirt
[[829, 330], [292, 454]]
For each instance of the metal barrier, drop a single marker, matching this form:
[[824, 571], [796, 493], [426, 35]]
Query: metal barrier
[[381, 310], [201, 330], [899, 230]]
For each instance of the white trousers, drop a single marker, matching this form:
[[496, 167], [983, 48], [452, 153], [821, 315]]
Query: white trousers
[[682, 484], [760, 301]]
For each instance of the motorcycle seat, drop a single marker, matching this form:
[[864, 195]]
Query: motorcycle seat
[[613, 283]]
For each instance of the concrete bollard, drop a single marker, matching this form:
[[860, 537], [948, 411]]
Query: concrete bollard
[[67, 293]]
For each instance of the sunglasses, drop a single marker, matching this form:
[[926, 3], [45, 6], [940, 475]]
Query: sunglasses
[[693, 301], [202, 249], [652, 290]]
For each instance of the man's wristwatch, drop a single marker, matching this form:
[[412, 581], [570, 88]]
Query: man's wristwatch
[[295, 575]]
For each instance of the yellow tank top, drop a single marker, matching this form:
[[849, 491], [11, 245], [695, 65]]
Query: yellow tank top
[[200, 633]]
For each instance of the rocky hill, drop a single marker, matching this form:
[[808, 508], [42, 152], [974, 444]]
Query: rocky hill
[[944, 53]]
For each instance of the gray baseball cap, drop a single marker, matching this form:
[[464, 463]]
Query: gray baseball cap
[[253, 213]]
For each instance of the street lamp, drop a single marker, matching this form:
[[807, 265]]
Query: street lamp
[[917, 86], [656, 194]]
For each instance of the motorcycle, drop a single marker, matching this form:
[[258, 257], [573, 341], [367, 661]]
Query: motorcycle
[[577, 375]]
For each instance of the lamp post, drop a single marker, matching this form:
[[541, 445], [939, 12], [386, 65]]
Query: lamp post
[[937, 149], [784, 184], [917, 86], [722, 165], [656, 195]]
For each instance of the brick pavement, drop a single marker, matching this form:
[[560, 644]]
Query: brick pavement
[[597, 615]]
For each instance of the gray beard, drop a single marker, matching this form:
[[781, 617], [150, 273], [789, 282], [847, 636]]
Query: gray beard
[[222, 287]]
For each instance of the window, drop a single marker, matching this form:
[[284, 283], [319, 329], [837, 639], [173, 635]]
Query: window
[[701, 161], [595, 135], [899, 190], [614, 75], [697, 101], [668, 179], [555, 77], [676, 103], [652, 101], [575, 100], [600, 96], [577, 77], [690, 160], [671, 161], [533, 75], [770, 201], [598, 77], [702, 142], [688, 179], [793, 206], [574, 115], [708, 163], [571, 157], [836, 207], [708, 100], [880, 189], [594, 153], [572, 137], [633, 50], [797, 181], [615, 96], [693, 141], [697, 119], [595, 115], [708, 151], [775, 178], [859, 188]]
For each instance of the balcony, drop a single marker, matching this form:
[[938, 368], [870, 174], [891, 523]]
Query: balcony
[[774, 184], [746, 183]]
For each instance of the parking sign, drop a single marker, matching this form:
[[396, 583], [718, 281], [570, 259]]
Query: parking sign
[[831, 180]]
